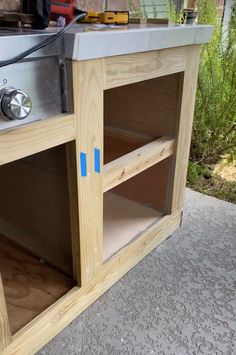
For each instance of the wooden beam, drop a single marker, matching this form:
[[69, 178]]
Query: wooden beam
[[88, 99], [131, 164], [132, 68], [25, 140], [184, 129], [5, 333]]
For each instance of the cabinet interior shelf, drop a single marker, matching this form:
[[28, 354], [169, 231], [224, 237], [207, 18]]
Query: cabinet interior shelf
[[128, 154], [124, 220]]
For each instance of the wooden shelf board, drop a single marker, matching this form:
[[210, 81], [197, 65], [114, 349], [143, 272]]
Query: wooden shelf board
[[30, 286], [124, 220], [134, 161]]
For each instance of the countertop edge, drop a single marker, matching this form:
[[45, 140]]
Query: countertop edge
[[94, 45]]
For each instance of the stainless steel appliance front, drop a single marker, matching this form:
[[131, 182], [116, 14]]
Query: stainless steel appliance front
[[42, 80]]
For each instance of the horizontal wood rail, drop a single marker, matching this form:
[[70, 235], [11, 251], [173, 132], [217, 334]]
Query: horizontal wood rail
[[129, 165], [31, 138], [132, 68]]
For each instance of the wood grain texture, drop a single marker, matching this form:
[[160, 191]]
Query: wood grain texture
[[34, 137], [184, 128], [41, 330], [5, 333], [29, 285], [132, 68], [146, 108], [120, 145], [34, 209], [124, 135], [88, 98], [131, 164], [124, 220], [150, 187]]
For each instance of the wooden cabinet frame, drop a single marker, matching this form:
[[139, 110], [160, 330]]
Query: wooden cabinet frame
[[83, 131]]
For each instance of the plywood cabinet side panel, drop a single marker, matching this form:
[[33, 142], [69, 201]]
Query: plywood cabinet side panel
[[5, 333], [147, 108], [34, 210], [148, 187], [184, 128], [132, 68], [88, 96]]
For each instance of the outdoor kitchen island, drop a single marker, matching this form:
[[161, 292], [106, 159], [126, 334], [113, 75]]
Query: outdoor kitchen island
[[86, 195]]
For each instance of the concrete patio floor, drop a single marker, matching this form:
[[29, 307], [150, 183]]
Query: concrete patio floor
[[181, 299]]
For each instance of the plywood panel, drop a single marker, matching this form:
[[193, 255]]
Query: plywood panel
[[147, 107], [34, 209], [149, 187], [124, 220], [29, 285]]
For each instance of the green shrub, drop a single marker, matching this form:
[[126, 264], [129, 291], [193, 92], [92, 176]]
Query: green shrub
[[214, 128]]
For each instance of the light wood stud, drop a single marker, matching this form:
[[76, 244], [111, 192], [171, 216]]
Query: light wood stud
[[184, 131], [88, 98]]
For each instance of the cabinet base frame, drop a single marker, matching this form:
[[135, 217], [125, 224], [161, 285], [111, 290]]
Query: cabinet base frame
[[86, 127], [48, 324]]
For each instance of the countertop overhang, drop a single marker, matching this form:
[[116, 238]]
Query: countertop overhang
[[85, 42]]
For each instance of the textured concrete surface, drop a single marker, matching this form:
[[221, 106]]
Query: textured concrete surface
[[181, 299]]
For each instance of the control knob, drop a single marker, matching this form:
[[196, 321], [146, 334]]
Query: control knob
[[15, 104]]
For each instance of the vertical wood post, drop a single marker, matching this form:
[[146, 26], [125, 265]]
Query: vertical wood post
[[88, 101], [74, 214], [184, 129], [5, 333]]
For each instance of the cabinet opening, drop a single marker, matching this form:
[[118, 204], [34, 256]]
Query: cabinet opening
[[135, 205], [36, 262], [139, 113]]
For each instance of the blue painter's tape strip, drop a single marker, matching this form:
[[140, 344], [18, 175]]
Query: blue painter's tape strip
[[97, 161], [83, 164]]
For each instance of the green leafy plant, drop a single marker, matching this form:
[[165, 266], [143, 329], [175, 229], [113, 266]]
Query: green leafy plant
[[214, 128], [175, 15]]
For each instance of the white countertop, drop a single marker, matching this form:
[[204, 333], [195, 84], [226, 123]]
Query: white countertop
[[86, 41]]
